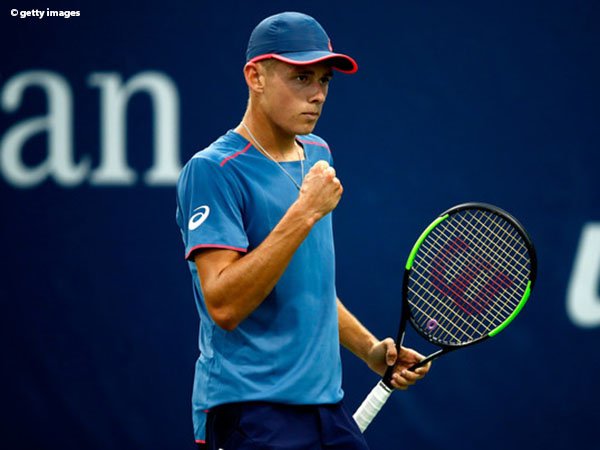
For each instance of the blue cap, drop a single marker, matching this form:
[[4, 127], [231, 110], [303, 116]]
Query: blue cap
[[297, 39]]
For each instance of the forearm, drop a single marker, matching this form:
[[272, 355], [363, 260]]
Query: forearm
[[379, 355], [353, 335], [240, 287]]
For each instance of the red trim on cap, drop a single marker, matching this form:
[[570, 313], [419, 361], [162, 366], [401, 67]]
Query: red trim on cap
[[200, 441], [305, 63], [235, 155], [226, 247]]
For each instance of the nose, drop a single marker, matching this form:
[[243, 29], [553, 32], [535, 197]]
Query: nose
[[319, 93]]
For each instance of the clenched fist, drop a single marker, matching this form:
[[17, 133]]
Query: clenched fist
[[321, 190]]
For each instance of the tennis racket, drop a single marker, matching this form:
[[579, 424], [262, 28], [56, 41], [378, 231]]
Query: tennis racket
[[467, 277]]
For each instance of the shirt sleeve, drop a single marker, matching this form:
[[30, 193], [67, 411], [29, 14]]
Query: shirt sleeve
[[209, 208]]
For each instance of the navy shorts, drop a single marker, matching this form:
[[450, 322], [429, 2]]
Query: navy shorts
[[273, 426]]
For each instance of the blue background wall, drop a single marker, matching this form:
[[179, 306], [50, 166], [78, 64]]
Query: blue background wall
[[454, 101]]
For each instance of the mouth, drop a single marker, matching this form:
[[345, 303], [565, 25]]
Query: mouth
[[312, 115]]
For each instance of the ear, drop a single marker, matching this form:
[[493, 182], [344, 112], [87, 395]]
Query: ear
[[255, 77]]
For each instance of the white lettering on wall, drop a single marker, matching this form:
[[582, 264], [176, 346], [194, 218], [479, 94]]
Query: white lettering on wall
[[58, 123], [114, 97], [583, 301]]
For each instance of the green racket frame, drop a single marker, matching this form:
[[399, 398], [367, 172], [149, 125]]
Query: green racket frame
[[446, 348]]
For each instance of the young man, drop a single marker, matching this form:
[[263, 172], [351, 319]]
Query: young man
[[253, 209]]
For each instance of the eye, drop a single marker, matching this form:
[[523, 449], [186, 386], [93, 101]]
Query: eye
[[326, 80], [302, 78]]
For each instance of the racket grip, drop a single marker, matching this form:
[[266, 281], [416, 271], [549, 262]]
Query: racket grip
[[369, 408]]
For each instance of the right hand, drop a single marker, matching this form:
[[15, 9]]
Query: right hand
[[384, 354], [321, 190]]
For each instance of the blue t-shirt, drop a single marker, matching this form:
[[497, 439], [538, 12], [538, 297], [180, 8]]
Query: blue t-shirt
[[231, 196]]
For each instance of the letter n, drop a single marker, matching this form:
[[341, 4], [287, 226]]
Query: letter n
[[115, 97]]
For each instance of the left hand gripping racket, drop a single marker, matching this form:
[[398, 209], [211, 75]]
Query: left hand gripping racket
[[467, 277]]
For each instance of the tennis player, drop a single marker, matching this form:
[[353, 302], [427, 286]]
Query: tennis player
[[253, 209]]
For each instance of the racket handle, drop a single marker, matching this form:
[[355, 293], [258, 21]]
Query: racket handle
[[369, 408]]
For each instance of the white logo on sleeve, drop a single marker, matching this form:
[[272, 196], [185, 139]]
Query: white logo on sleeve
[[198, 219]]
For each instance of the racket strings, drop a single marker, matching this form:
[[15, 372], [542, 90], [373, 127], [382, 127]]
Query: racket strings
[[512, 233], [453, 317], [505, 259], [478, 283], [485, 290], [449, 315], [442, 327], [473, 281], [474, 286], [431, 306], [498, 254], [479, 239], [507, 268], [512, 260]]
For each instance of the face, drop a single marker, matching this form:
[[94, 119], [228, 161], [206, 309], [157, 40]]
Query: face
[[293, 96]]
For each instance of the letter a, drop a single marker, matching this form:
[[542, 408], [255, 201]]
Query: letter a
[[58, 123]]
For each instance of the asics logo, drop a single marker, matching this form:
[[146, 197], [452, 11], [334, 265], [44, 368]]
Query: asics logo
[[198, 219]]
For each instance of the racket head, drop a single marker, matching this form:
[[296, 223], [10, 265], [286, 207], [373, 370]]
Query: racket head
[[468, 275]]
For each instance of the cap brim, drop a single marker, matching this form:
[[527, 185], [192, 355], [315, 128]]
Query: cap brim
[[340, 62]]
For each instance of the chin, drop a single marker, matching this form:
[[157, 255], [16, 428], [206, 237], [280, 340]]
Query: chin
[[306, 129]]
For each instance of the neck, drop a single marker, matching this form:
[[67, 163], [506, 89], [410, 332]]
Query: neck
[[280, 144]]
